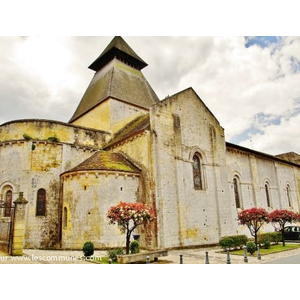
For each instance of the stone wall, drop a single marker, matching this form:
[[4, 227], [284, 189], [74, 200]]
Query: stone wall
[[123, 113], [97, 118], [182, 125], [138, 149], [41, 130], [110, 115], [87, 196], [29, 162], [254, 171], [28, 166]]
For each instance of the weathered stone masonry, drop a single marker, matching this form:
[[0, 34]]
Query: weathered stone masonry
[[123, 144], [28, 165]]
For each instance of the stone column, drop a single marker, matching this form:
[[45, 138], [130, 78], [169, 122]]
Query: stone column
[[19, 226]]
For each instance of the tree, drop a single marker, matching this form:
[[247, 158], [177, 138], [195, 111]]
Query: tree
[[129, 216], [253, 218], [280, 217]]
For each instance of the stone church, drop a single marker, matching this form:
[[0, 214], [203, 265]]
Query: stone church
[[125, 144]]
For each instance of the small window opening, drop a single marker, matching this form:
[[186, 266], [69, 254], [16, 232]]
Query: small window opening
[[65, 218], [237, 195], [8, 204], [41, 202], [288, 193], [268, 195]]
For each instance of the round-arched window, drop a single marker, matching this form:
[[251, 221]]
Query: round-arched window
[[197, 172]]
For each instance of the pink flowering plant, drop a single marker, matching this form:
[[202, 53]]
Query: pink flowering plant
[[253, 218], [280, 217], [128, 216]]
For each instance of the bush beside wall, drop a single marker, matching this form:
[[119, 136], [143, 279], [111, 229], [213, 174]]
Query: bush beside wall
[[234, 241]]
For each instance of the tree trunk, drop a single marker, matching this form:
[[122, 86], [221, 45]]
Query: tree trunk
[[127, 241], [128, 235], [283, 240]]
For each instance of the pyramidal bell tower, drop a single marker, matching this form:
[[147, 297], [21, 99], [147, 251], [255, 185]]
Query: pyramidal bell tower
[[118, 92]]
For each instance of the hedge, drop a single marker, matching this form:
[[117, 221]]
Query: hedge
[[234, 241], [273, 237]]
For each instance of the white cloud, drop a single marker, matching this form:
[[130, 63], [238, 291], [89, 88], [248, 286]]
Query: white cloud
[[277, 139], [45, 77], [238, 83], [42, 77]]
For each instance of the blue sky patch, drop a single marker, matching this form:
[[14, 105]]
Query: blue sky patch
[[245, 135], [262, 41], [261, 120], [267, 119]]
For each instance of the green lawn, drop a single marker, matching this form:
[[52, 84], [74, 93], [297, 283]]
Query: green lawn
[[273, 249]]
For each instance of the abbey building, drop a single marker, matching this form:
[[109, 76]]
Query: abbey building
[[124, 144]]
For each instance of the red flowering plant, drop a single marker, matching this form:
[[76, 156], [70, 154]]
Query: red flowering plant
[[280, 217], [128, 216], [253, 218]]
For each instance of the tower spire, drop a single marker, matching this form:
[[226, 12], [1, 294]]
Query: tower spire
[[118, 48], [118, 76]]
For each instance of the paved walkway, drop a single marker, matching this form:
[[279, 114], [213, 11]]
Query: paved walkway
[[190, 256], [217, 256]]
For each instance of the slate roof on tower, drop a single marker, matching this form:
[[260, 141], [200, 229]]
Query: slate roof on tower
[[118, 76]]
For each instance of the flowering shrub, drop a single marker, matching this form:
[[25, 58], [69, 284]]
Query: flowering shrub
[[253, 218], [128, 216], [282, 217], [279, 218]]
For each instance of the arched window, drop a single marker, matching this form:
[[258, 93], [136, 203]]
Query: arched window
[[237, 194], [65, 218], [288, 194], [8, 203], [197, 172], [267, 190], [41, 203]]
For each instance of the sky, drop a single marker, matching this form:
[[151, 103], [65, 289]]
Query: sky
[[251, 84]]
